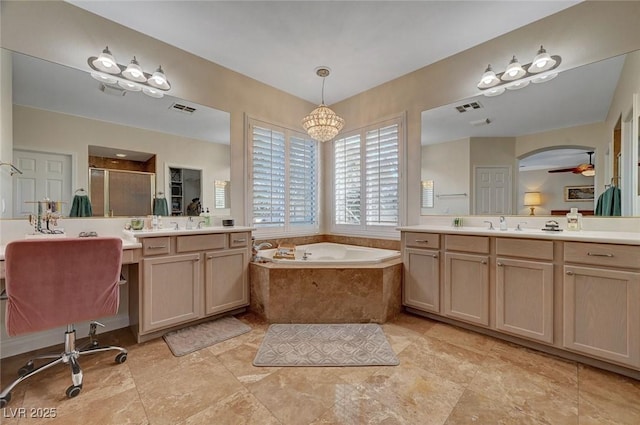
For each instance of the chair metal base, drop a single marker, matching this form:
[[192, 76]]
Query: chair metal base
[[69, 356]]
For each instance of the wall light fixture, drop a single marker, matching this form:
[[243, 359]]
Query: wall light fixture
[[127, 78], [517, 76]]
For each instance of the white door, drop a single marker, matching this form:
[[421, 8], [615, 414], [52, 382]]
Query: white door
[[492, 190], [44, 175]]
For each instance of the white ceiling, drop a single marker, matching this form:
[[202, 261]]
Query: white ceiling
[[365, 43]]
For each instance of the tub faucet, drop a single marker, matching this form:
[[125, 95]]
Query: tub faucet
[[503, 223], [256, 248]]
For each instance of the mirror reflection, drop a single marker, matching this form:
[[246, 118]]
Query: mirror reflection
[[542, 149], [70, 132]]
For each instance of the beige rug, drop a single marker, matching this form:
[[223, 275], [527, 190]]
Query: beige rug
[[325, 345], [194, 338]]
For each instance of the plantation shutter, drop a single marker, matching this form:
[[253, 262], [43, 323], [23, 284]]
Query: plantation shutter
[[268, 171], [347, 180], [303, 181], [381, 176]]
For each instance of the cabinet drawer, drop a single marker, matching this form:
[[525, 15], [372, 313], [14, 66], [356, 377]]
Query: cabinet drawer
[[201, 242], [602, 254], [422, 240], [238, 240], [525, 248], [156, 246], [130, 256], [479, 244]]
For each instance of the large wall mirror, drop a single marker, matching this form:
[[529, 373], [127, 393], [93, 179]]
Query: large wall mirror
[[526, 151], [71, 135]]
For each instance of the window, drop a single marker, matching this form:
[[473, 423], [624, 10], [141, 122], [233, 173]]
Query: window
[[367, 180], [283, 181]]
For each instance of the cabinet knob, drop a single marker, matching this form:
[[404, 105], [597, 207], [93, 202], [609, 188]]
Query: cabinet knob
[[570, 273], [434, 255], [197, 259], [209, 257], [500, 264], [483, 262]]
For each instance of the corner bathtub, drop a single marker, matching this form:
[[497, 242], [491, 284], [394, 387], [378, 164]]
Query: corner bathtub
[[336, 284], [332, 253]]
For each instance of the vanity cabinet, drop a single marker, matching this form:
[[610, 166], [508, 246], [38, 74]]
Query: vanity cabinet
[[188, 277], [602, 301], [466, 278], [421, 260], [171, 289], [226, 277], [524, 288]]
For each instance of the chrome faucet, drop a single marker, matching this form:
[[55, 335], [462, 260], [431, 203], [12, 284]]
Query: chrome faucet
[[503, 223], [189, 225], [175, 225], [518, 228], [255, 248], [490, 225], [200, 223]]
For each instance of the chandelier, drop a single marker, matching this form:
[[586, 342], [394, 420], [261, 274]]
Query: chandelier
[[322, 124], [128, 78], [517, 76]]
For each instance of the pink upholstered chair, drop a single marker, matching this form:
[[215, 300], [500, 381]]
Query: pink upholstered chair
[[56, 282]]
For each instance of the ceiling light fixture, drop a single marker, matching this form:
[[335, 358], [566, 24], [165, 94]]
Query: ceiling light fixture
[[130, 78], [517, 76], [322, 124]]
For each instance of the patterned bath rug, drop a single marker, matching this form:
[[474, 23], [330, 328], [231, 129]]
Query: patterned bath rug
[[325, 345], [196, 337]]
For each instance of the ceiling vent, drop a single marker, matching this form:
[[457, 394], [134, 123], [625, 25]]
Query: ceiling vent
[[112, 91], [183, 108], [478, 123], [468, 107]]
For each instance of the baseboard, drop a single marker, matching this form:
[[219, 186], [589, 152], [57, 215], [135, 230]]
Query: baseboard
[[29, 342]]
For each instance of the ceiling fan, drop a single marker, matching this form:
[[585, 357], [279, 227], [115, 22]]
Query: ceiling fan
[[585, 169]]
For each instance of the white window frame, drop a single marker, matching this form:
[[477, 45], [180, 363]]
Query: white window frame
[[362, 229], [287, 230]]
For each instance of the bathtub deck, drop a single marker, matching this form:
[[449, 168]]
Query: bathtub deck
[[294, 293]]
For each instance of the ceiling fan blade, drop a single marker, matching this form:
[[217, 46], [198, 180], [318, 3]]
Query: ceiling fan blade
[[563, 170]]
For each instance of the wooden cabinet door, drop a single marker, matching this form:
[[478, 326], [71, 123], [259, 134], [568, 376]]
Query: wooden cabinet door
[[171, 291], [524, 298], [466, 287], [602, 313], [422, 279], [226, 284]]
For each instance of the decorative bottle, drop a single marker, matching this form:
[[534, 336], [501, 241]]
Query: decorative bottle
[[574, 220]]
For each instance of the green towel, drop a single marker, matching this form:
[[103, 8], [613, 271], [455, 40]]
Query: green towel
[[160, 207], [609, 203], [81, 207]]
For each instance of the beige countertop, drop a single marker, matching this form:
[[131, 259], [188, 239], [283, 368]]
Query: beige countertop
[[137, 234], [625, 238]]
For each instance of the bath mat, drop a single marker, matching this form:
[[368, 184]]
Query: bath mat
[[194, 338], [325, 345]]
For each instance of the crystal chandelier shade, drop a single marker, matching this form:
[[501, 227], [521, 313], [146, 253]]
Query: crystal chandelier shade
[[322, 124]]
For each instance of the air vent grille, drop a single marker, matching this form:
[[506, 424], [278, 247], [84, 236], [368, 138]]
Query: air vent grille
[[183, 108], [468, 107]]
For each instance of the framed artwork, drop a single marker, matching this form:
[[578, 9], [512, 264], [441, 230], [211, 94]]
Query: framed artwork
[[578, 193]]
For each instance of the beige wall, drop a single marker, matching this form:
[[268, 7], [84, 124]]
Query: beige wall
[[450, 174], [551, 188], [38, 129], [582, 34]]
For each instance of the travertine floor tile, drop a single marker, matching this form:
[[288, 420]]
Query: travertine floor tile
[[474, 408], [607, 398], [446, 376], [308, 391]]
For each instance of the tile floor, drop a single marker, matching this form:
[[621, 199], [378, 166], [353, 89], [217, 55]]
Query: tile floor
[[446, 376]]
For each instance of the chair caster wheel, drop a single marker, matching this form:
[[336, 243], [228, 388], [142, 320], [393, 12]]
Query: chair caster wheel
[[5, 400], [121, 358], [73, 390], [25, 369]]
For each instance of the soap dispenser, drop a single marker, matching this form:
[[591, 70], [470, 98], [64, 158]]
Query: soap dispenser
[[574, 220]]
